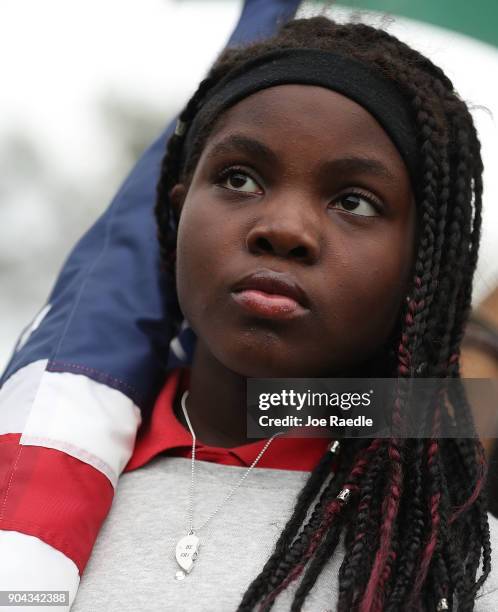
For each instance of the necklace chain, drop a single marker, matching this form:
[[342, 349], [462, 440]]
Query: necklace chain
[[234, 488]]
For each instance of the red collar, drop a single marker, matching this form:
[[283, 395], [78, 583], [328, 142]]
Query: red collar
[[163, 433]]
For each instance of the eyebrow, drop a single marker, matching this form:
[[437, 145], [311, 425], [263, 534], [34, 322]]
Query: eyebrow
[[357, 164], [346, 165], [239, 143]]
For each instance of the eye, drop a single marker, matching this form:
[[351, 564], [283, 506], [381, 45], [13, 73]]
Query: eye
[[236, 179], [357, 204]]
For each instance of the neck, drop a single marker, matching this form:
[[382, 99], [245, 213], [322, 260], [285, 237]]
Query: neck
[[216, 402]]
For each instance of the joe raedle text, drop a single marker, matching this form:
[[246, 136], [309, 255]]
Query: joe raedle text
[[332, 420]]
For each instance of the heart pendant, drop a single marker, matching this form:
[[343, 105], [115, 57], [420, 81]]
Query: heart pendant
[[187, 551]]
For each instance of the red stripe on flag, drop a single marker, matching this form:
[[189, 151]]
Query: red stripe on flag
[[53, 496]]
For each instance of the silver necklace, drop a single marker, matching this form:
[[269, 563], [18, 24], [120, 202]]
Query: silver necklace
[[187, 548]]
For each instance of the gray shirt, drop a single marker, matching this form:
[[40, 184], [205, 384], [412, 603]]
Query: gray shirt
[[132, 566]]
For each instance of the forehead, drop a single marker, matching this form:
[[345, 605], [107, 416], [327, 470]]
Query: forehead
[[310, 121]]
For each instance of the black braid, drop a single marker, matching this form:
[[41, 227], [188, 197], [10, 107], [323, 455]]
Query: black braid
[[416, 523], [286, 558], [319, 475], [356, 541]]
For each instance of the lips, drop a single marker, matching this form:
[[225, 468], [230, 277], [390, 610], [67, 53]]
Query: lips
[[274, 283], [270, 294]]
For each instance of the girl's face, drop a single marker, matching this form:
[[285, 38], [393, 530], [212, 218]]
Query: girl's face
[[296, 184]]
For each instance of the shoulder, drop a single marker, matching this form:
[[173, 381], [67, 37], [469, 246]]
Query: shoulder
[[487, 597]]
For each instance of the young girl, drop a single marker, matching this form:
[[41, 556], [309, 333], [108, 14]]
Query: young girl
[[319, 213]]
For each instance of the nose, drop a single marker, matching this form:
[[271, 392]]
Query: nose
[[286, 231]]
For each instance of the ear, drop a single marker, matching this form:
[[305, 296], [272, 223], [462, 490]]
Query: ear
[[177, 197]]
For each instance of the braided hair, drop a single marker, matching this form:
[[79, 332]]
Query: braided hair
[[415, 523]]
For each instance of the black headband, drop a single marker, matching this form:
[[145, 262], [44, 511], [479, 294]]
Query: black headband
[[344, 75]]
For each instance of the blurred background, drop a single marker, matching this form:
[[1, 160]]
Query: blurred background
[[86, 87]]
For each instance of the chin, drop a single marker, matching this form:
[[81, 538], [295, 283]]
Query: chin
[[261, 363], [255, 362]]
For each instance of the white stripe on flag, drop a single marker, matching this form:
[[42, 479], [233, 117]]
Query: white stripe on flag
[[177, 349], [85, 419], [71, 413], [17, 396], [32, 565]]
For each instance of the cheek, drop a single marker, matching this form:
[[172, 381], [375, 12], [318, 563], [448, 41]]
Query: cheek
[[203, 242], [374, 279], [191, 266], [390, 257]]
